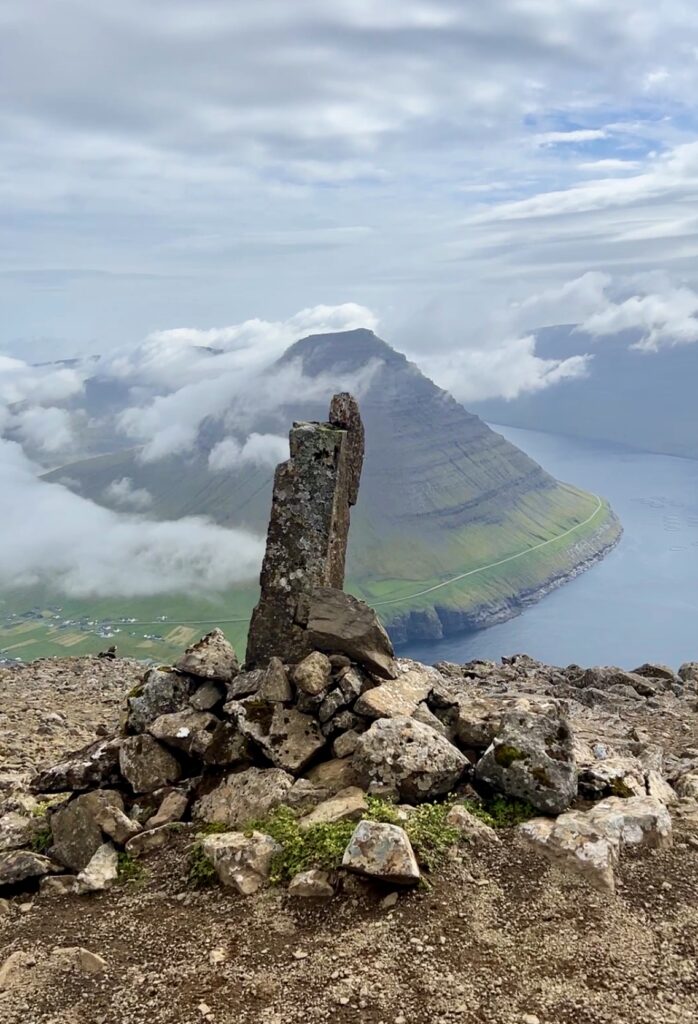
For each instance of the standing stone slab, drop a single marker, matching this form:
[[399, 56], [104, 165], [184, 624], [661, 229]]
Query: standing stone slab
[[308, 528]]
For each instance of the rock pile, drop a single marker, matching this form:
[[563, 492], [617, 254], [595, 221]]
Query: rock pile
[[323, 718]]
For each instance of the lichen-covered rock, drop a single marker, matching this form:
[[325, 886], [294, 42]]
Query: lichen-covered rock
[[532, 757], [412, 759], [101, 871], [378, 850], [688, 672], [590, 842], [116, 824], [75, 828], [311, 885], [189, 731], [288, 738], [162, 691], [346, 743], [19, 865], [654, 671], [16, 830], [308, 529], [240, 861], [312, 674], [347, 805], [212, 657], [244, 796], [335, 775], [477, 721], [147, 765], [612, 776], [96, 764], [338, 622], [687, 785]]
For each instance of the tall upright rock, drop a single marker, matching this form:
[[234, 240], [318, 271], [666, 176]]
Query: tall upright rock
[[308, 528]]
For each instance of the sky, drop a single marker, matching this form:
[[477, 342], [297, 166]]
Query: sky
[[172, 164], [179, 177]]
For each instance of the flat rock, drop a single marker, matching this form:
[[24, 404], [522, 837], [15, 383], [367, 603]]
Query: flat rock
[[335, 775], [96, 764], [207, 695], [346, 743], [532, 758], [101, 871], [470, 826], [240, 861], [288, 738], [339, 623], [403, 755], [590, 842], [312, 674], [347, 805], [244, 797], [75, 828], [311, 885], [212, 657], [398, 697], [116, 824], [612, 776], [378, 850], [16, 830], [147, 765], [150, 840], [19, 865]]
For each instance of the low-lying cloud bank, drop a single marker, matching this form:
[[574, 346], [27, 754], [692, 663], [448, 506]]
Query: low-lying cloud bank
[[59, 539]]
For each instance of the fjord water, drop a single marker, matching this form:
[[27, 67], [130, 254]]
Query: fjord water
[[641, 602]]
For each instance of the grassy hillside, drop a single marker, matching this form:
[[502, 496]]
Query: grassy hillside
[[441, 496]]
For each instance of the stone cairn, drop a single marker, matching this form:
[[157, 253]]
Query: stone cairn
[[321, 717]]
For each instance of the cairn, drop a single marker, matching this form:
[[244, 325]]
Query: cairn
[[323, 717]]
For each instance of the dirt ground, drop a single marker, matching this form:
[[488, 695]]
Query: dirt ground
[[500, 936]]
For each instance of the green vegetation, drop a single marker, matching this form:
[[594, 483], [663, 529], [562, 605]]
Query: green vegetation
[[502, 811], [131, 870], [42, 839], [202, 874], [320, 846], [505, 755]]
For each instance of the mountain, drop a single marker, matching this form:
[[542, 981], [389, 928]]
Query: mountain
[[644, 400], [442, 495]]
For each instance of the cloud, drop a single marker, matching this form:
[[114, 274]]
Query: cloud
[[122, 492], [504, 370], [574, 136], [47, 429], [70, 544], [257, 450], [663, 318]]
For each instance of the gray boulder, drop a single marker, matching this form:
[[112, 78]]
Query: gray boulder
[[532, 757], [399, 697], [311, 885], [212, 657], [75, 828], [19, 865], [97, 764], [288, 738], [147, 765], [275, 685], [16, 830], [339, 623], [244, 796], [101, 871], [207, 695], [162, 691], [189, 731], [381, 851], [409, 758]]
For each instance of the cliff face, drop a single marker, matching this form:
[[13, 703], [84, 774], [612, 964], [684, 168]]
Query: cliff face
[[442, 496]]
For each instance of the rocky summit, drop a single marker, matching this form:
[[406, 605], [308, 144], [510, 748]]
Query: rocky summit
[[329, 831]]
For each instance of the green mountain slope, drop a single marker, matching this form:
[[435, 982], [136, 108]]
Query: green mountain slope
[[442, 496]]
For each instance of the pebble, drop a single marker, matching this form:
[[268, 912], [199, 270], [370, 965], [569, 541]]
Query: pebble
[[300, 955]]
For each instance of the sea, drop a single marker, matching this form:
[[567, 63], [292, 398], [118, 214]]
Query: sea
[[641, 602]]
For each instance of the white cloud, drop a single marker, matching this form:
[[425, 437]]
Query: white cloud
[[573, 136], [48, 429], [664, 319], [504, 370], [122, 492], [68, 543], [257, 450]]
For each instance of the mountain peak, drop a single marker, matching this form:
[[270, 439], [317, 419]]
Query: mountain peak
[[340, 350]]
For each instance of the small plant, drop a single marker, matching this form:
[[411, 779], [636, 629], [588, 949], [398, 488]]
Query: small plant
[[131, 870], [320, 846], [202, 873], [42, 839], [501, 811], [429, 834]]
